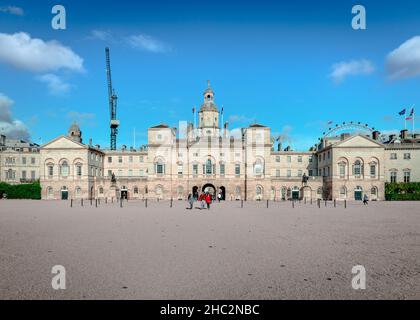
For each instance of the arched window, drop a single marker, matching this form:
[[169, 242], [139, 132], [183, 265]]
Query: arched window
[[50, 170], [209, 167], [101, 190], [258, 192], [374, 191], [64, 169], [78, 170], [258, 167], [136, 190], [342, 169], [283, 193], [357, 169], [160, 167]]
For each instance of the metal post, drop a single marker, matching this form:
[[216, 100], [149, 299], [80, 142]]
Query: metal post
[[112, 199], [121, 202], [71, 203], [334, 203], [242, 203], [319, 203], [293, 204], [345, 204], [171, 202], [325, 202], [106, 200], [311, 200], [267, 203], [96, 203], [145, 203], [90, 201], [82, 202]]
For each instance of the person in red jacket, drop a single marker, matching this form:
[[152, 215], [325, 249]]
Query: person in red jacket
[[208, 200]]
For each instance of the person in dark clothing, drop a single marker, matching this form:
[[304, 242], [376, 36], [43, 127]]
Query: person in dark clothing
[[365, 200], [190, 201]]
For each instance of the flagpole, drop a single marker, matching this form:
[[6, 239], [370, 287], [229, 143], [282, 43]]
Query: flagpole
[[413, 120], [223, 125]]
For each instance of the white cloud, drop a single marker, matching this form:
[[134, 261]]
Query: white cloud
[[82, 118], [37, 55], [12, 10], [101, 35], [12, 128], [404, 62], [55, 84], [147, 43], [351, 68]]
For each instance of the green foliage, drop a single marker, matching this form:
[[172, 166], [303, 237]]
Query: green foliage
[[402, 191], [21, 191]]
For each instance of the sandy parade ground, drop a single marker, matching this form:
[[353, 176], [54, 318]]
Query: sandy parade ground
[[227, 252]]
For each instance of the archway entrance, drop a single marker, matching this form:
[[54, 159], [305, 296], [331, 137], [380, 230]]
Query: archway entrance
[[210, 189], [358, 194], [295, 193], [124, 193], [64, 193], [223, 193], [195, 192]]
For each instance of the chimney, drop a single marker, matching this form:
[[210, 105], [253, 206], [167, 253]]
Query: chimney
[[124, 147], [90, 141], [403, 134], [279, 146], [375, 135], [2, 140], [98, 146], [391, 137], [288, 148]]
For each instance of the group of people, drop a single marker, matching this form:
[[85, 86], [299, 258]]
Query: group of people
[[205, 199]]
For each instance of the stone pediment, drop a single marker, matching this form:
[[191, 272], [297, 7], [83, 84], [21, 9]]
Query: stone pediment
[[63, 142], [358, 141]]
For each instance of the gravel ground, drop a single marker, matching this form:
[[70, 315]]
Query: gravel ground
[[227, 252]]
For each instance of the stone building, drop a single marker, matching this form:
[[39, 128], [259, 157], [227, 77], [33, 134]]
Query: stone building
[[245, 163], [19, 161]]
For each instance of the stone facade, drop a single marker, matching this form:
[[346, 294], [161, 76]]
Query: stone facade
[[241, 164]]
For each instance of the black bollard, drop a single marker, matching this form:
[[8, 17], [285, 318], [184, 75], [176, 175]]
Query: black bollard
[[345, 204], [145, 203], [267, 203], [171, 202], [112, 199], [82, 202], [96, 203], [71, 203], [90, 201], [334, 203], [121, 200], [106, 200], [325, 202], [311, 200], [319, 203], [305, 200]]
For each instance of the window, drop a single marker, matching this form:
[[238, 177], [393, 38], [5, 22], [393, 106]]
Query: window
[[222, 169], [311, 172], [407, 176], [130, 172], [310, 159], [10, 174], [141, 159], [393, 156], [258, 167], [141, 173], [373, 170], [79, 170], [180, 169], [329, 154], [120, 159], [159, 168], [373, 191], [136, 190], [109, 173], [259, 191], [32, 160], [33, 175], [289, 173], [323, 157], [289, 159], [407, 156], [130, 159], [342, 170], [357, 169], [277, 173], [101, 190], [109, 159], [23, 160], [299, 173], [195, 169], [299, 158], [237, 169], [393, 176], [24, 174], [277, 158], [50, 170], [328, 171], [64, 169], [209, 167]]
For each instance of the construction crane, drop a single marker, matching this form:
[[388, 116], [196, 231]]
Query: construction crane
[[112, 104]]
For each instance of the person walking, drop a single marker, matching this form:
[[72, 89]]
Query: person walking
[[190, 201], [365, 199], [208, 200], [219, 196]]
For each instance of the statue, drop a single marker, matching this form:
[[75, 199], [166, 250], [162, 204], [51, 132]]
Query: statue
[[305, 179], [113, 180]]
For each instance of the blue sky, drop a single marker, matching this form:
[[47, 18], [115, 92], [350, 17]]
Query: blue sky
[[270, 62]]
